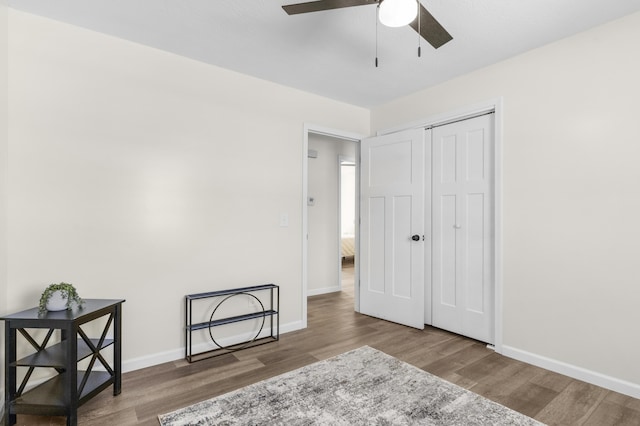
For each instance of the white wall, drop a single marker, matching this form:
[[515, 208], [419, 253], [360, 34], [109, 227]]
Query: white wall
[[138, 174], [323, 243], [134, 173], [571, 198], [4, 104], [348, 200]]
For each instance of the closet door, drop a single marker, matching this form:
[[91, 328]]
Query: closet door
[[392, 227], [462, 228]]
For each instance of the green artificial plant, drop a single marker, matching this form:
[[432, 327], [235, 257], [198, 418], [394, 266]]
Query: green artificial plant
[[68, 291]]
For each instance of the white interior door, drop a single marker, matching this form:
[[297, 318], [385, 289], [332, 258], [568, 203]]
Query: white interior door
[[462, 228], [392, 227]]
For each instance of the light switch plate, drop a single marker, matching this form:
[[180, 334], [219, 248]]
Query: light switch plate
[[284, 220]]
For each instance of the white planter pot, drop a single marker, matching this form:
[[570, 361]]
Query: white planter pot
[[57, 302]]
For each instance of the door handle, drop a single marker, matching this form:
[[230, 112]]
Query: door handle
[[415, 237]]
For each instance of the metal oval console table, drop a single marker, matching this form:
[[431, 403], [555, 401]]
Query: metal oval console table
[[271, 298]]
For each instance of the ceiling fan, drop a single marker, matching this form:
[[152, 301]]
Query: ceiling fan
[[391, 13]]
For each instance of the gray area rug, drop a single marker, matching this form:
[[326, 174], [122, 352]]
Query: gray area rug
[[360, 387]]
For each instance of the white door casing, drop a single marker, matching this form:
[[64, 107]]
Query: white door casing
[[462, 228], [428, 247], [392, 211]]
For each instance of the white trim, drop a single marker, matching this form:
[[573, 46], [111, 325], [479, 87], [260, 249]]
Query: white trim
[[495, 105], [305, 224], [589, 376], [447, 117], [428, 227], [178, 354], [325, 290], [171, 355], [326, 131], [356, 258], [498, 222], [334, 133]]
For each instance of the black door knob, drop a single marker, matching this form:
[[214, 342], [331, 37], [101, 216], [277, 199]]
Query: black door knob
[[415, 237]]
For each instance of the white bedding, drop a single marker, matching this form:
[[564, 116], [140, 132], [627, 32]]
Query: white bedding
[[347, 247]]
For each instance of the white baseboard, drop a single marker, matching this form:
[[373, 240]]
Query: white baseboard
[[595, 378], [178, 353], [168, 356], [317, 291]]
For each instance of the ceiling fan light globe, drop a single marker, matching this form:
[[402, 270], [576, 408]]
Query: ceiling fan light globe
[[398, 13]]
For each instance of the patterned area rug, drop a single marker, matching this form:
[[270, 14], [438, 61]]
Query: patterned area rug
[[361, 387]]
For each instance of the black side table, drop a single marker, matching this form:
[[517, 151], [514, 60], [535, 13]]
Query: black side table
[[62, 394]]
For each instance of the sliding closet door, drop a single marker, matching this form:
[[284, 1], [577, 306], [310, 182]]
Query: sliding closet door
[[462, 228]]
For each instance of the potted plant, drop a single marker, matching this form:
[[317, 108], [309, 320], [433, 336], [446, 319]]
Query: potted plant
[[58, 297]]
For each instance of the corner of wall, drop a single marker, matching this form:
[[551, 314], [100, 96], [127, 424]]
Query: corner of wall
[[4, 141]]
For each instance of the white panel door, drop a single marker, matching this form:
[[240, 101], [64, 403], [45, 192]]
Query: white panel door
[[462, 228], [392, 212]]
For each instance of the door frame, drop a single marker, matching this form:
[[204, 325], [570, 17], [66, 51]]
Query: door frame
[[310, 128], [494, 105]]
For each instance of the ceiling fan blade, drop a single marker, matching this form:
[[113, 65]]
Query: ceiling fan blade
[[430, 29], [316, 6]]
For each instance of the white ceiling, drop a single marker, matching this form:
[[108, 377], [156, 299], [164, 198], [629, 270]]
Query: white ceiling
[[332, 53]]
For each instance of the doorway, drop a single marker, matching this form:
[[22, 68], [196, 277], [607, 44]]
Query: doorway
[[324, 152], [326, 232]]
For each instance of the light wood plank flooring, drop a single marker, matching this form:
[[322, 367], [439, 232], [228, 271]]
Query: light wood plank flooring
[[335, 328]]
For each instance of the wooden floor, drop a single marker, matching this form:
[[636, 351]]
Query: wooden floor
[[333, 328]]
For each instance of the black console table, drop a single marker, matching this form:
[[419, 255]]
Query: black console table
[[62, 394], [266, 294]]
